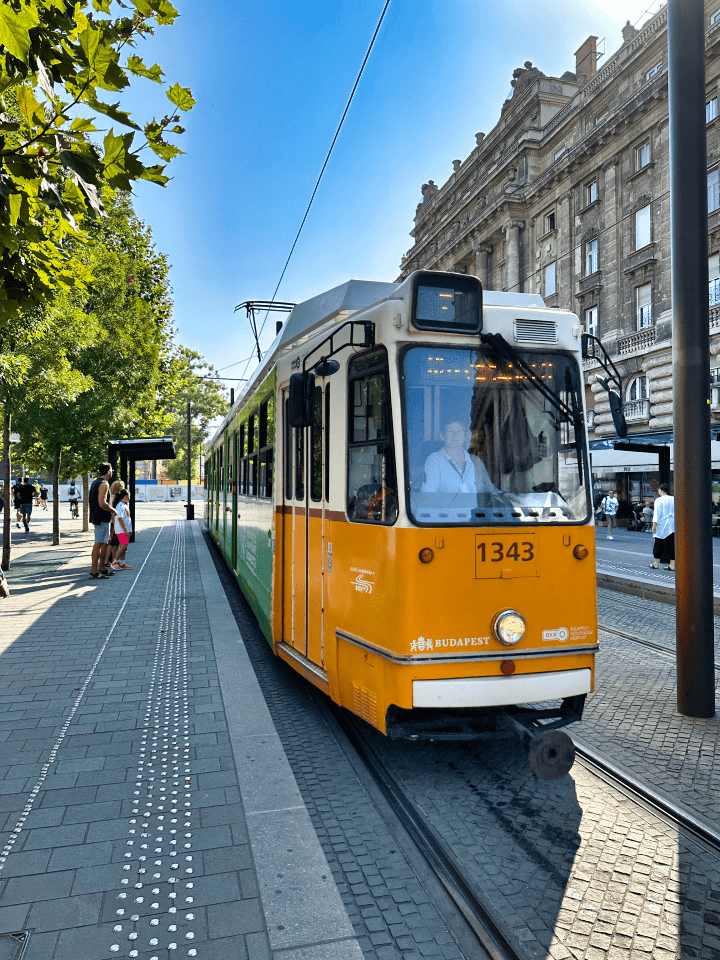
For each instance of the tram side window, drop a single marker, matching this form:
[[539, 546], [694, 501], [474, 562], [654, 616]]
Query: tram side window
[[252, 467], [266, 440], [372, 483], [242, 466], [316, 479], [327, 441], [288, 455]]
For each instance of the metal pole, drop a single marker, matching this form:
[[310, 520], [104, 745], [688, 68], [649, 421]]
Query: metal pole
[[691, 357], [190, 507]]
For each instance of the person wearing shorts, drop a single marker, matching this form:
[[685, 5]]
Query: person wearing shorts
[[27, 494], [100, 515]]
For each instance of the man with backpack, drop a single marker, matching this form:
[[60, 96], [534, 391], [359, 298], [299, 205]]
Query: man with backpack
[[73, 498]]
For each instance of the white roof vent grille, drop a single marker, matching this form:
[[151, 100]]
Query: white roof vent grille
[[536, 331]]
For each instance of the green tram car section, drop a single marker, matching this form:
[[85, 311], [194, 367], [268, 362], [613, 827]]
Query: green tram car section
[[244, 526]]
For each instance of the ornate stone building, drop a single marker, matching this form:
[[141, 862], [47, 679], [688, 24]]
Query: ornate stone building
[[568, 196]]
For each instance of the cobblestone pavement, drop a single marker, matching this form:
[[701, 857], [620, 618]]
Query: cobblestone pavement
[[121, 825]]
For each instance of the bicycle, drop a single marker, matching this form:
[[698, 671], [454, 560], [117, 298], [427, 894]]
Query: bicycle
[[74, 512]]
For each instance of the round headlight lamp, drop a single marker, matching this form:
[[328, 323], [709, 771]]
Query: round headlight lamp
[[509, 627]]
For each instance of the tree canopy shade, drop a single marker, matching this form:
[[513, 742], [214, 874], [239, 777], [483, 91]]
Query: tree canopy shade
[[58, 61]]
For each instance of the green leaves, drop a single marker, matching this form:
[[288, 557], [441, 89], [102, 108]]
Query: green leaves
[[181, 97], [57, 56], [16, 21], [137, 67]]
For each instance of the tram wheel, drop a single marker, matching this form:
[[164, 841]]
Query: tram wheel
[[551, 755]]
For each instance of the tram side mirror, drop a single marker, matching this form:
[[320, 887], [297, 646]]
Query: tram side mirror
[[300, 399], [585, 347], [616, 409]]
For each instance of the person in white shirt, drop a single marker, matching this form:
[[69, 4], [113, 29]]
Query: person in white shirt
[[610, 507], [453, 469], [123, 529], [664, 529]]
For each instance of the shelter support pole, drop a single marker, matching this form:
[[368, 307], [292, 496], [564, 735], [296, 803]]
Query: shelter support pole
[[190, 507], [132, 500], [691, 357]]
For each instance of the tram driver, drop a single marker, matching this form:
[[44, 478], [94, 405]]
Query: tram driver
[[452, 469]]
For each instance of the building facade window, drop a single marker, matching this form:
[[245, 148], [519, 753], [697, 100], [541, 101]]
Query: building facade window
[[559, 153], [591, 321], [638, 389], [715, 17], [654, 71], [549, 221], [642, 155], [711, 110], [591, 192], [591, 257], [643, 306], [713, 188], [714, 278], [643, 233], [550, 287]]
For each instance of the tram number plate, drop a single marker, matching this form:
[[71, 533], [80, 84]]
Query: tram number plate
[[505, 556]]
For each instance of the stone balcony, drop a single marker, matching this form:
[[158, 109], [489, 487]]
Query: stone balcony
[[636, 341]]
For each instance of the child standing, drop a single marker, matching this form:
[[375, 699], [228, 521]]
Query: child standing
[[123, 529]]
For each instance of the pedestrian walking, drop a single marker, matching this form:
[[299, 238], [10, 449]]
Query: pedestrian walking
[[27, 495], [43, 496], [100, 515], [663, 529], [123, 529], [16, 502], [609, 507]]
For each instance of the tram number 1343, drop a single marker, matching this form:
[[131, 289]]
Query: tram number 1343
[[499, 557]]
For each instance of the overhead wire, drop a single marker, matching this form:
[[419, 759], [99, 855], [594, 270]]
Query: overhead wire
[[322, 171]]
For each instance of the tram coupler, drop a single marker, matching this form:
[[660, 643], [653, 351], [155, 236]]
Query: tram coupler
[[551, 753]]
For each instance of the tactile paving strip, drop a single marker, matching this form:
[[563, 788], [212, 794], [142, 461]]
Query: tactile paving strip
[[154, 906]]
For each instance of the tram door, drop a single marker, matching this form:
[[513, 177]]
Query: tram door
[[304, 519]]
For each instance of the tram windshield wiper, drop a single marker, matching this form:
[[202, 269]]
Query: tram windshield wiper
[[572, 414]]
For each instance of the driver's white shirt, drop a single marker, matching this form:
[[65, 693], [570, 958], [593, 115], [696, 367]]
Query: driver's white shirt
[[442, 475]]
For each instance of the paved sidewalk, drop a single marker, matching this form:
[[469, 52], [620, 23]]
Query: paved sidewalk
[[146, 806]]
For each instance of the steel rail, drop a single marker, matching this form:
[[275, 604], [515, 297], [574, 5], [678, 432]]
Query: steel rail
[[653, 800], [440, 859], [641, 640]]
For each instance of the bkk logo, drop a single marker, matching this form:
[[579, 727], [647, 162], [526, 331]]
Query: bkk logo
[[560, 634], [361, 585]]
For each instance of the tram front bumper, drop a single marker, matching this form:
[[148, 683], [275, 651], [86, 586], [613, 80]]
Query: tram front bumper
[[501, 691]]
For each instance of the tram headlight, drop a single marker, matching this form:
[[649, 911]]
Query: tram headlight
[[509, 627]]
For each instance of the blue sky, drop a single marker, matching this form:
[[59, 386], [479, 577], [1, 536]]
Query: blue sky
[[271, 79]]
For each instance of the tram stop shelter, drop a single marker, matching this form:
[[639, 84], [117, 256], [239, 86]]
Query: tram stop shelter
[[130, 451]]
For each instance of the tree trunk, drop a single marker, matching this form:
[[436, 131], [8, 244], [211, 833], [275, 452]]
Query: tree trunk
[[56, 496], [7, 470], [85, 502]]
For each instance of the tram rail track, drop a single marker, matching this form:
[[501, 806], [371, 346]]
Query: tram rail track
[[490, 938]]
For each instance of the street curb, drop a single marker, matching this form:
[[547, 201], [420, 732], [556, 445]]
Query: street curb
[[304, 912], [640, 588]]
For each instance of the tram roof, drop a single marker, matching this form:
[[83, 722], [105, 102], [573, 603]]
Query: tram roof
[[341, 303], [348, 298]]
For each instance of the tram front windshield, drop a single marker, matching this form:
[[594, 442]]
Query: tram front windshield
[[486, 446]]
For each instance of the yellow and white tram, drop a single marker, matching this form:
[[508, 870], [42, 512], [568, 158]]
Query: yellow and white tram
[[403, 493]]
